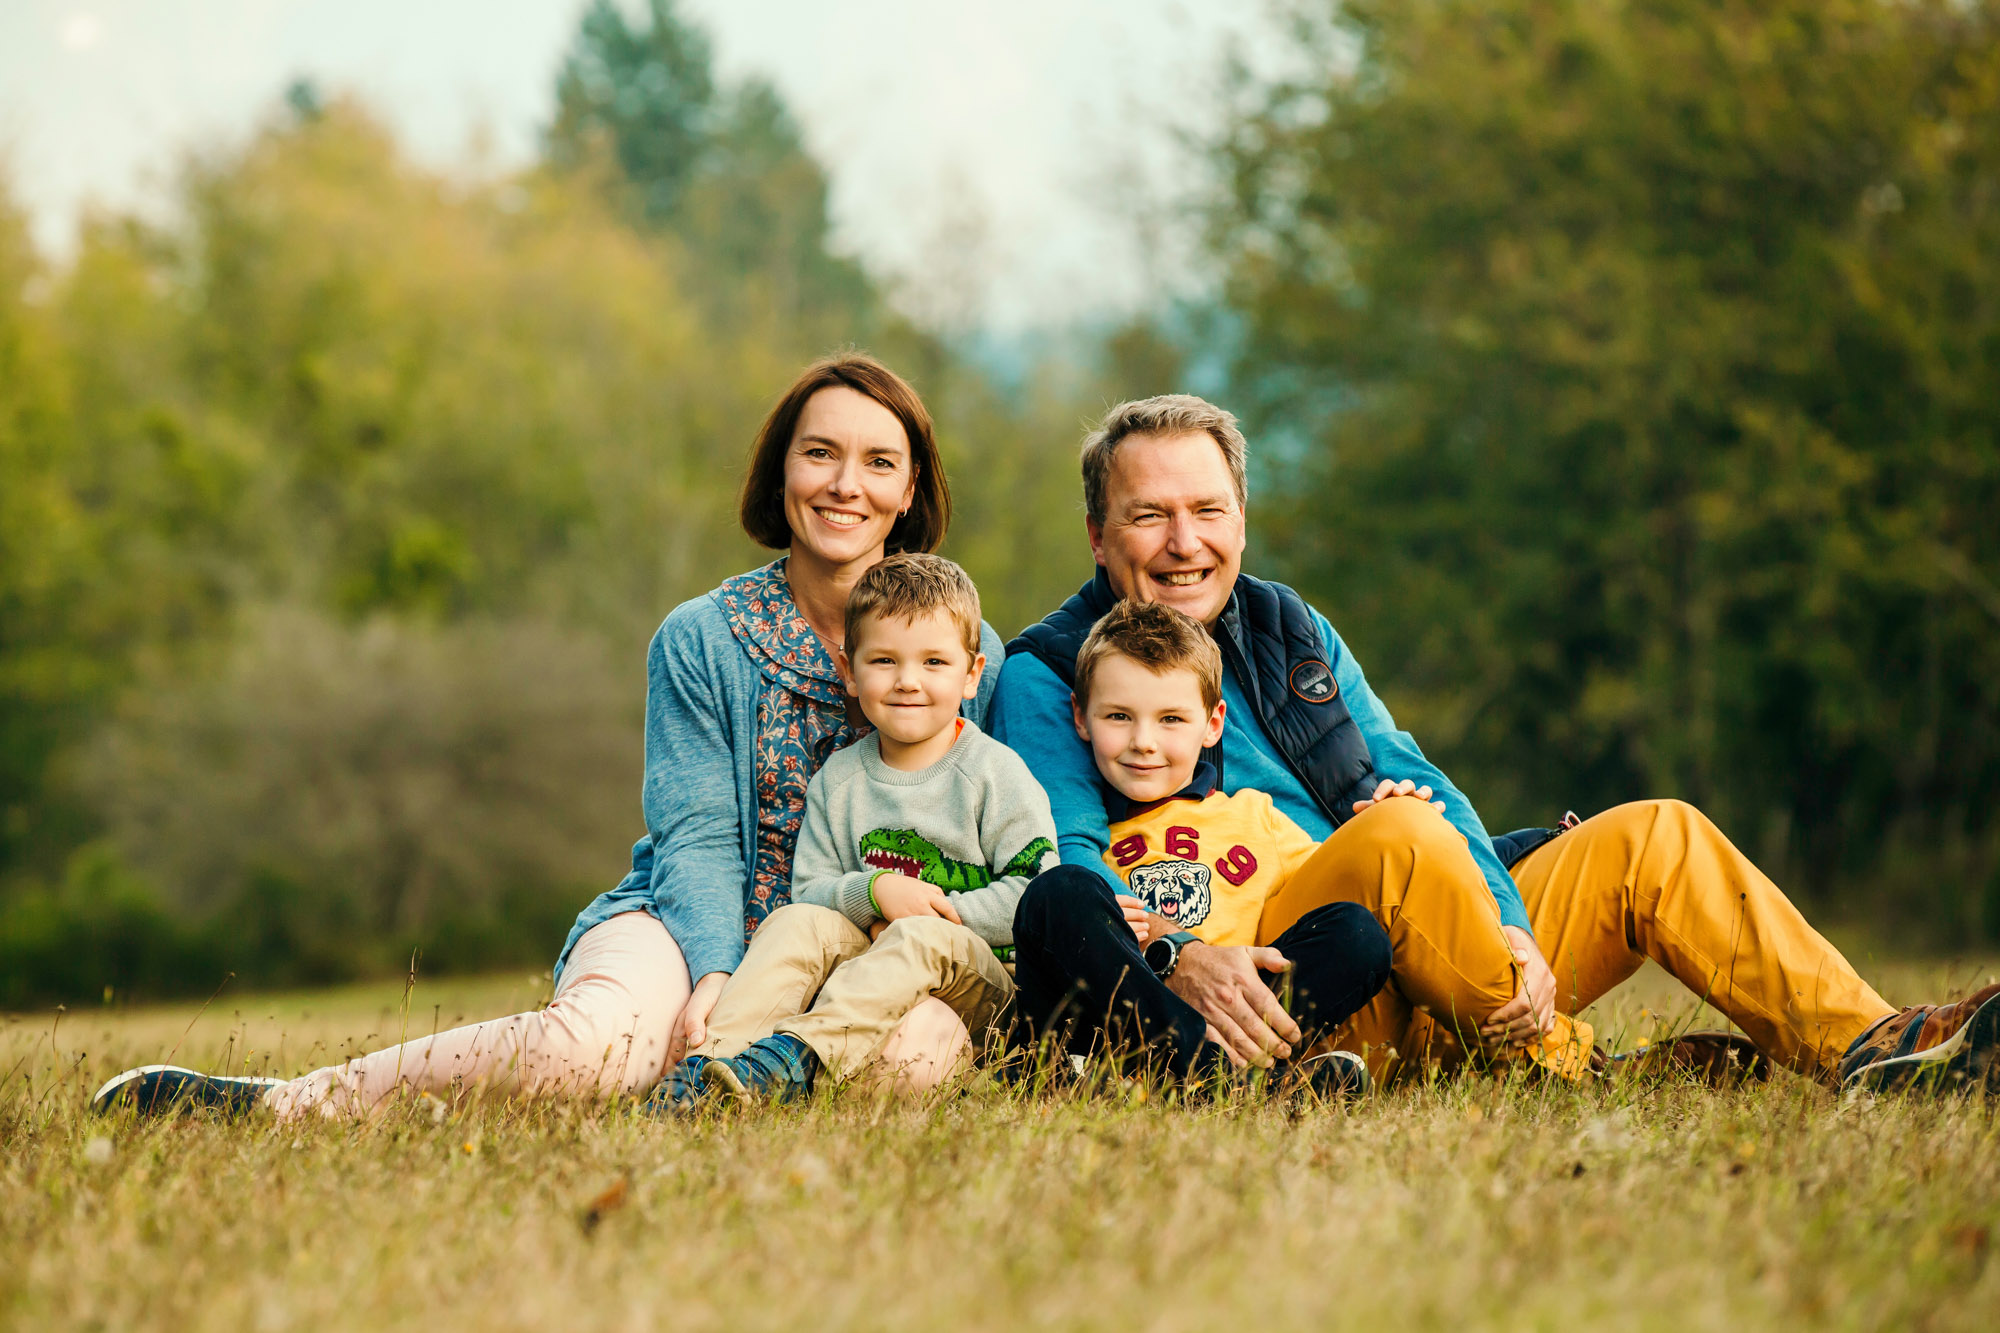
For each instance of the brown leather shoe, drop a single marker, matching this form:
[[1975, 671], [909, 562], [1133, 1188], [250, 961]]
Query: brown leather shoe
[[1719, 1059], [1935, 1047]]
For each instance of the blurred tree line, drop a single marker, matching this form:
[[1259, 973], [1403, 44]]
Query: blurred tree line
[[336, 512], [1628, 380], [1620, 378]]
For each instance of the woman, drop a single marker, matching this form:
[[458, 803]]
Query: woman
[[743, 705]]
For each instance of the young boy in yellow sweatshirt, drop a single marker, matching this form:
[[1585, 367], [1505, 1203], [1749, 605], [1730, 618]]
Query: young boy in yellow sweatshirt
[[1092, 968]]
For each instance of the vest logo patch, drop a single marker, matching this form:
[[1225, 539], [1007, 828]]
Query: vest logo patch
[[1177, 890], [1312, 680]]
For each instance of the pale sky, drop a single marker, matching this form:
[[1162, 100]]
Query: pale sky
[[998, 159]]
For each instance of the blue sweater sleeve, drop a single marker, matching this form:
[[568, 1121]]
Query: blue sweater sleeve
[[1031, 716], [1397, 757], [690, 799], [976, 709]]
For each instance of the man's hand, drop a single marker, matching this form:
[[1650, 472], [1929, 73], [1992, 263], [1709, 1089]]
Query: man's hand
[[1136, 916], [1531, 1012], [1385, 790], [898, 896], [1242, 1013], [692, 1030]]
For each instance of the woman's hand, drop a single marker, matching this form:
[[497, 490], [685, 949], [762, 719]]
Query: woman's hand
[[692, 1030], [898, 896]]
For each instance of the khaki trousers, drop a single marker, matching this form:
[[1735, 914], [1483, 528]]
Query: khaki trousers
[[811, 973], [1653, 879]]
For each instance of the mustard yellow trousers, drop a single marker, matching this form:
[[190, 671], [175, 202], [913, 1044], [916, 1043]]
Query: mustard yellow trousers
[[1653, 879]]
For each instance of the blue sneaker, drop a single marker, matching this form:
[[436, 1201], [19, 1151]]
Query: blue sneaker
[[1332, 1075], [157, 1089], [680, 1089], [777, 1069]]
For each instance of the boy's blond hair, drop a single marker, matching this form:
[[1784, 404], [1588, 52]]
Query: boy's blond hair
[[1159, 639], [910, 585]]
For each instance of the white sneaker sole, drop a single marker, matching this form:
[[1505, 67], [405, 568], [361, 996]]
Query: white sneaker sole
[[104, 1096], [1969, 1059]]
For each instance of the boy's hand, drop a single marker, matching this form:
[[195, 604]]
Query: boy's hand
[[1386, 790], [1136, 916], [898, 896]]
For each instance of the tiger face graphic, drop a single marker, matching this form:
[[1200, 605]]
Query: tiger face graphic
[[1177, 890]]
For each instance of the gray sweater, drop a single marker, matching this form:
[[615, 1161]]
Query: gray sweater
[[975, 824]]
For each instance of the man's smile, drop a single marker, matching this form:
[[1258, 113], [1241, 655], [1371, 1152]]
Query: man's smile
[[1182, 578]]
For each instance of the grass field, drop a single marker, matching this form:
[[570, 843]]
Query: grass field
[[1465, 1204]]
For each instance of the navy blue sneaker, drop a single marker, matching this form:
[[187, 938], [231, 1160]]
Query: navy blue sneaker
[[776, 1069], [1333, 1075], [680, 1089], [157, 1089]]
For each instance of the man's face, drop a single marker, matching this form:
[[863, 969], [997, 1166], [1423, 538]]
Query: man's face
[[1172, 530]]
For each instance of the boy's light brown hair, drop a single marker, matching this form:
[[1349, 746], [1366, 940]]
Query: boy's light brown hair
[[1159, 639], [911, 585]]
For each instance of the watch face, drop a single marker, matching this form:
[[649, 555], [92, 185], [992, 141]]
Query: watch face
[[1161, 954]]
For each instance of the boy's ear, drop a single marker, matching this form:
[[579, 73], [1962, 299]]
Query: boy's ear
[[1076, 719], [972, 676], [1214, 731], [846, 670]]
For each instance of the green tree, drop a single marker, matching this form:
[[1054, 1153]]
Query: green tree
[[647, 93], [1624, 374], [723, 168]]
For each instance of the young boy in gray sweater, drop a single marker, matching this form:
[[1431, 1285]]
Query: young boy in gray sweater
[[918, 841]]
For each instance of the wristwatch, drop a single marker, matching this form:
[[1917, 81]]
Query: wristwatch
[[1163, 955]]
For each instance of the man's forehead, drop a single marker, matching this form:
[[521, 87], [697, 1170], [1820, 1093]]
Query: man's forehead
[[1188, 468]]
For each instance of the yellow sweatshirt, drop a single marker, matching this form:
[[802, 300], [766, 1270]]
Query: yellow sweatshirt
[[1208, 863]]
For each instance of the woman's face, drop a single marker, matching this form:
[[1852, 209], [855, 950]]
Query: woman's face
[[848, 476]]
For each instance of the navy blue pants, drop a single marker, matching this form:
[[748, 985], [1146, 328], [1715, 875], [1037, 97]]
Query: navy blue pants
[[1083, 980]]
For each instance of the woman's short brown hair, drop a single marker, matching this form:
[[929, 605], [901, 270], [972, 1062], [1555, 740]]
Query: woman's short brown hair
[[762, 506]]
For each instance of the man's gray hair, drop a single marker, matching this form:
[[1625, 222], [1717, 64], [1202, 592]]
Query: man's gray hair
[[1167, 414]]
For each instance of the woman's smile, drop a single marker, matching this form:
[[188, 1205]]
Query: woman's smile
[[847, 478]]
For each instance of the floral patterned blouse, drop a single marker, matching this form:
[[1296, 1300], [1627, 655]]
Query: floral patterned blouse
[[801, 719]]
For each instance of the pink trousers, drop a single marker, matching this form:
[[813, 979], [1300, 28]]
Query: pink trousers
[[606, 1032]]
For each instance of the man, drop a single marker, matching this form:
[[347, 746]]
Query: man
[[1497, 943]]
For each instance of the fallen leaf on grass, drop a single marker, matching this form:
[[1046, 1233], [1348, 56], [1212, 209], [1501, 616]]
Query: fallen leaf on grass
[[610, 1201]]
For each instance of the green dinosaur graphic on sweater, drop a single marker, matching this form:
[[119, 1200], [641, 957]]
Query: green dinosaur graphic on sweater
[[906, 852]]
